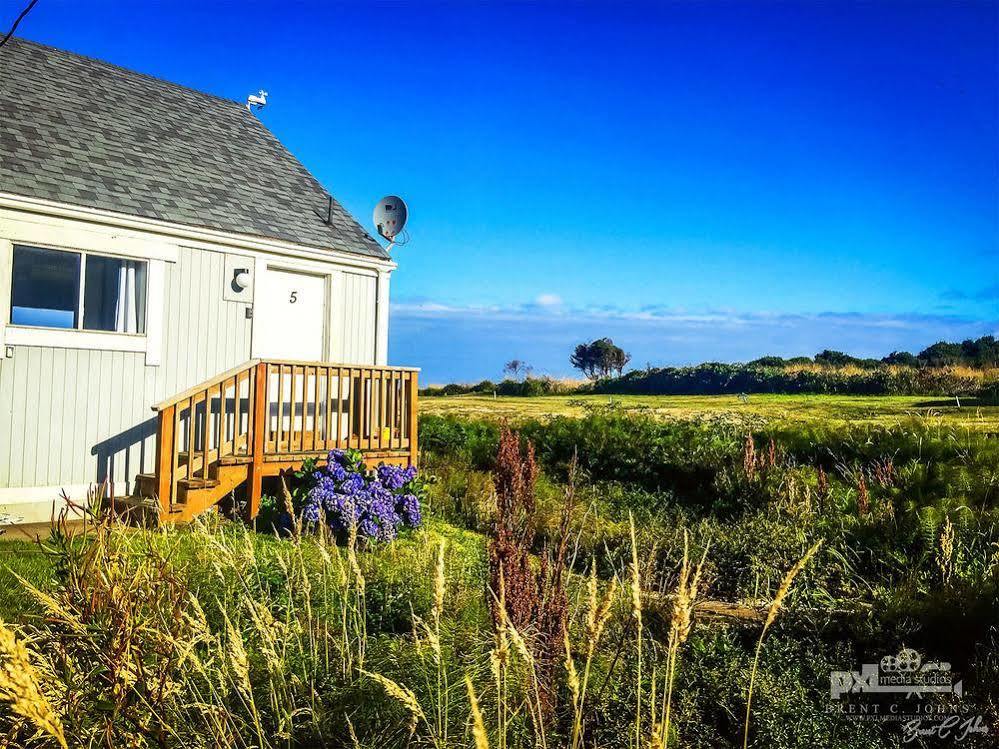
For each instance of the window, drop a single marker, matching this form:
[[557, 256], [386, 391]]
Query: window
[[80, 291], [45, 288]]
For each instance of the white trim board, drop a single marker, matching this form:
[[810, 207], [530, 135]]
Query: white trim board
[[214, 239], [37, 504], [62, 234], [23, 335]]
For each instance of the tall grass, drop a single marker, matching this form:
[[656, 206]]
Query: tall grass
[[218, 636]]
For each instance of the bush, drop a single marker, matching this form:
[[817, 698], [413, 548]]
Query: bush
[[867, 379], [378, 504]]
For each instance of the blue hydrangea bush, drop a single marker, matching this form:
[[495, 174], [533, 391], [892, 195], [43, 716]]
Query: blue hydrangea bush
[[380, 502]]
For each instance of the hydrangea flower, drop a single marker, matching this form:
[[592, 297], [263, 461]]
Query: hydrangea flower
[[379, 504]]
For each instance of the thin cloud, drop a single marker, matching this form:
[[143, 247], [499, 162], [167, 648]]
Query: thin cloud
[[540, 311], [455, 342], [548, 300]]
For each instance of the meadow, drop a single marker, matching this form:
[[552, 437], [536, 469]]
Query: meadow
[[590, 572], [970, 413]]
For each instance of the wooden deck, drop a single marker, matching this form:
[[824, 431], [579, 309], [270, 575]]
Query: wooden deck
[[265, 417]]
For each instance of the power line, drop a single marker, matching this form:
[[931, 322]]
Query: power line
[[19, 19]]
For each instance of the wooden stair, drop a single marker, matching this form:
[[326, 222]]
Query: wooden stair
[[266, 417], [193, 496]]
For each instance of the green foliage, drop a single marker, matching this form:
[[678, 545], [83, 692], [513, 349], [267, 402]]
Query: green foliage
[[919, 566], [599, 358], [839, 359], [708, 379], [529, 386], [901, 359]]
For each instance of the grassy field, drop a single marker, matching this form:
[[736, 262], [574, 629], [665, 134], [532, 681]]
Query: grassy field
[[833, 409], [643, 542]]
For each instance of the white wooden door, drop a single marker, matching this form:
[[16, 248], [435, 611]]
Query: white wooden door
[[289, 318]]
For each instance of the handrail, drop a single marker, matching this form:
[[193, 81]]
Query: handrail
[[344, 365], [212, 382]]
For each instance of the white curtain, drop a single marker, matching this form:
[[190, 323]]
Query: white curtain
[[129, 315]]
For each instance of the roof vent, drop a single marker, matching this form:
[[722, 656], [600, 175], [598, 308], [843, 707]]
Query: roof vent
[[257, 100]]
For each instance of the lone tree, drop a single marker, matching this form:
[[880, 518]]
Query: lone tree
[[600, 358], [515, 368]]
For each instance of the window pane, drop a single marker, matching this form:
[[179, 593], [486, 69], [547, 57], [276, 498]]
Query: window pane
[[114, 295], [45, 288]]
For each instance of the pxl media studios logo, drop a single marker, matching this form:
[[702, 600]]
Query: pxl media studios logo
[[925, 699]]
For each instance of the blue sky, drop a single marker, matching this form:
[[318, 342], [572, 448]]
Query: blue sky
[[709, 181]]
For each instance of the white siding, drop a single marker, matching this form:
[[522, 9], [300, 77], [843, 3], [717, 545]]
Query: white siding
[[354, 331], [76, 416]]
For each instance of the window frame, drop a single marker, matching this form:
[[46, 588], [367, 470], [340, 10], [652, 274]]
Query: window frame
[[150, 342], [81, 291]]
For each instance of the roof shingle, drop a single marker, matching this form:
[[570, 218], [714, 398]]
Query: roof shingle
[[85, 132]]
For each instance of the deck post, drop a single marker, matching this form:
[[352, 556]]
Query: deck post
[[165, 458], [258, 431], [414, 448]]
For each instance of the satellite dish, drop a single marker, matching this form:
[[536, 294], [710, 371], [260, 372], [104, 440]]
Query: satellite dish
[[390, 217]]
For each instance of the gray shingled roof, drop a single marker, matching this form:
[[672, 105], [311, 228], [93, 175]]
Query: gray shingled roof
[[88, 133]]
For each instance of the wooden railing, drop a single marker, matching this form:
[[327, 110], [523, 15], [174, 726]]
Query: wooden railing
[[282, 411]]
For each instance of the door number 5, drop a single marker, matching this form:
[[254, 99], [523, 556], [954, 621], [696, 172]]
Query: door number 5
[[293, 298]]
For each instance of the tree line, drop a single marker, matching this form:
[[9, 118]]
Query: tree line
[[930, 372], [980, 353]]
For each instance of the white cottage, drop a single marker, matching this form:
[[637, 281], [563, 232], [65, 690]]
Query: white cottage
[[184, 309]]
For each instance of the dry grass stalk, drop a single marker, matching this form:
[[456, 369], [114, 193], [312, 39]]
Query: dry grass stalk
[[20, 687], [681, 621], [403, 695], [863, 497], [440, 583], [238, 659], [822, 488], [782, 593], [597, 615], [749, 457], [772, 454], [945, 551], [883, 471], [478, 726], [289, 508], [442, 711], [572, 676], [635, 587], [499, 661]]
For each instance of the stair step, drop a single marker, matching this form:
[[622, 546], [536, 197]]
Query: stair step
[[197, 483], [235, 460]]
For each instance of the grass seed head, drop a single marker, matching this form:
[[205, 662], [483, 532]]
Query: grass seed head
[[785, 586], [20, 687], [478, 726], [403, 695]]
